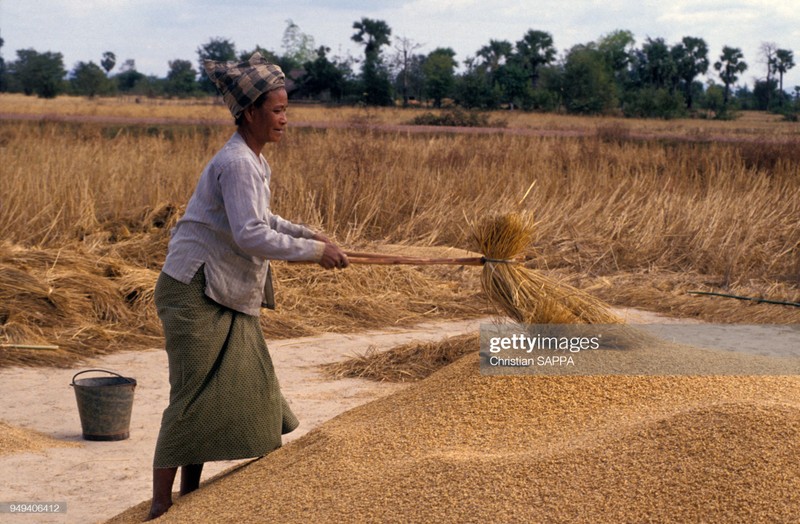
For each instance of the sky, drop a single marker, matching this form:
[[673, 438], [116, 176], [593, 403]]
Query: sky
[[154, 32]]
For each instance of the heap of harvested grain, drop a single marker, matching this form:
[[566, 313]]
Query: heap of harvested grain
[[19, 440], [462, 447]]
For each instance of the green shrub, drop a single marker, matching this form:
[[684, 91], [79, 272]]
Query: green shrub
[[456, 117], [654, 103]]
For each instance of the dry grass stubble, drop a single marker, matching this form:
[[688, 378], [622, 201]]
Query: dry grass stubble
[[620, 218]]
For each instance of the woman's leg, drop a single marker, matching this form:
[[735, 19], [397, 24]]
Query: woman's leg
[[190, 478], [163, 478]]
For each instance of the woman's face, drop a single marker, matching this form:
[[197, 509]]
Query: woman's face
[[269, 121]]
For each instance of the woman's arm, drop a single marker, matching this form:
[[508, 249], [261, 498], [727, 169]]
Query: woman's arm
[[245, 199]]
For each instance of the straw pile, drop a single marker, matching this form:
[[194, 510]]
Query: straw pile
[[97, 297], [525, 295], [312, 300], [69, 298], [404, 363], [462, 447]]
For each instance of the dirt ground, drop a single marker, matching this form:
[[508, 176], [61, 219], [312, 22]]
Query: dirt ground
[[97, 480], [405, 128]]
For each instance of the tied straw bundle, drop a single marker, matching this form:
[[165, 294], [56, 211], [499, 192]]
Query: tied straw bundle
[[525, 295]]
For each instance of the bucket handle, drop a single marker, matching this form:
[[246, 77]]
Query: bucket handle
[[101, 371]]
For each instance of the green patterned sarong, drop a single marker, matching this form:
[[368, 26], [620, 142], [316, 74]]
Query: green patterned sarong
[[225, 402]]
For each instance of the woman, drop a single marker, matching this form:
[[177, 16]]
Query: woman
[[225, 402]]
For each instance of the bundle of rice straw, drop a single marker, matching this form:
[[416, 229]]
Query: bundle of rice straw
[[526, 295]]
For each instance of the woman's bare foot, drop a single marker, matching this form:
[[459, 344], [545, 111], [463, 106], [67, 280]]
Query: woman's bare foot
[[190, 478], [158, 509], [162, 491]]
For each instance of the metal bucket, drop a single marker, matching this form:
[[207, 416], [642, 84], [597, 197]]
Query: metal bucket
[[104, 405]]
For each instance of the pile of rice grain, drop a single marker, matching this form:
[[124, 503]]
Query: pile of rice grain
[[462, 447], [19, 440]]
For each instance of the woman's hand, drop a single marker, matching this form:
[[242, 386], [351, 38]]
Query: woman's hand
[[333, 257], [321, 238]]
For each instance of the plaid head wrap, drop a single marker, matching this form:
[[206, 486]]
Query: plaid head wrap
[[241, 83]]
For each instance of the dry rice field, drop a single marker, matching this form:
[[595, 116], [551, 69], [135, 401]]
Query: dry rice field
[[636, 213]]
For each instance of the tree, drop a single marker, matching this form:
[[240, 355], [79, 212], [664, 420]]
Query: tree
[[767, 54], [374, 34], [535, 50], [377, 87], [404, 58], [762, 93], [493, 58], [219, 49], [322, 77], [270, 56], [512, 82], [691, 60], [616, 48], [784, 60], [730, 65], [298, 47], [657, 69], [410, 82], [548, 95], [588, 87], [3, 81], [495, 54], [473, 88], [285, 63], [713, 98], [40, 73], [128, 77], [181, 78], [109, 61], [88, 79], [439, 68]]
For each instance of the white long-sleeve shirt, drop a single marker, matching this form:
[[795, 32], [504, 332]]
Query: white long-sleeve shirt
[[228, 226]]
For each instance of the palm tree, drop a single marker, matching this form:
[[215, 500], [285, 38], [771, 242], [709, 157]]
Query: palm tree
[[536, 49], [495, 54], [783, 61], [374, 34], [691, 58], [730, 65]]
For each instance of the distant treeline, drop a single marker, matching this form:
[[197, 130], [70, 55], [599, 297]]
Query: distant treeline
[[612, 75]]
